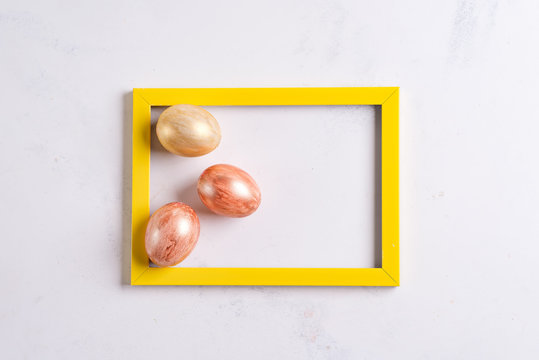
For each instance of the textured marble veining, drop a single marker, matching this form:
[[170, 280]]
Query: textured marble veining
[[229, 191], [171, 234], [188, 130]]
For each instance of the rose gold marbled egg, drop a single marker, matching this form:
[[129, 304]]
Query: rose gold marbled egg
[[171, 234], [229, 191], [188, 130]]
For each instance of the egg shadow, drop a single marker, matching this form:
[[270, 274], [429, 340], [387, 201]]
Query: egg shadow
[[189, 195], [155, 144], [208, 219]]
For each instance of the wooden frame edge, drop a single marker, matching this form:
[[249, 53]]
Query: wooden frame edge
[[387, 275]]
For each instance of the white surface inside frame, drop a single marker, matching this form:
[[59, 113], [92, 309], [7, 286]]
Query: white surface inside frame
[[318, 168]]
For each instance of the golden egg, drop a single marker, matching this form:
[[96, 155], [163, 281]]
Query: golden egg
[[188, 130]]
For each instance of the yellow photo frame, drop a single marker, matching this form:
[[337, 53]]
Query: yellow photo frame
[[386, 275]]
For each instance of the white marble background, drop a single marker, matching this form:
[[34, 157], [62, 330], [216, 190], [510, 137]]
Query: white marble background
[[469, 176]]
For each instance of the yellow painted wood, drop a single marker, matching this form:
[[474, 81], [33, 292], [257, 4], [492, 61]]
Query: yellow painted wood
[[388, 275], [140, 197], [390, 186], [268, 96], [266, 276]]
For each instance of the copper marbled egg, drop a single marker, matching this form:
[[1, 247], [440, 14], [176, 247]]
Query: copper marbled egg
[[188, 130], [171, 234], [229, 191]]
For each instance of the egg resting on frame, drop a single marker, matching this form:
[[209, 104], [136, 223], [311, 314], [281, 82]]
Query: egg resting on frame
[[171, 234], [229, 191], [188, 130]]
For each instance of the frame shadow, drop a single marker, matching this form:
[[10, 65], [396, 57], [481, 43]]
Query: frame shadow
[[127, 153]]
